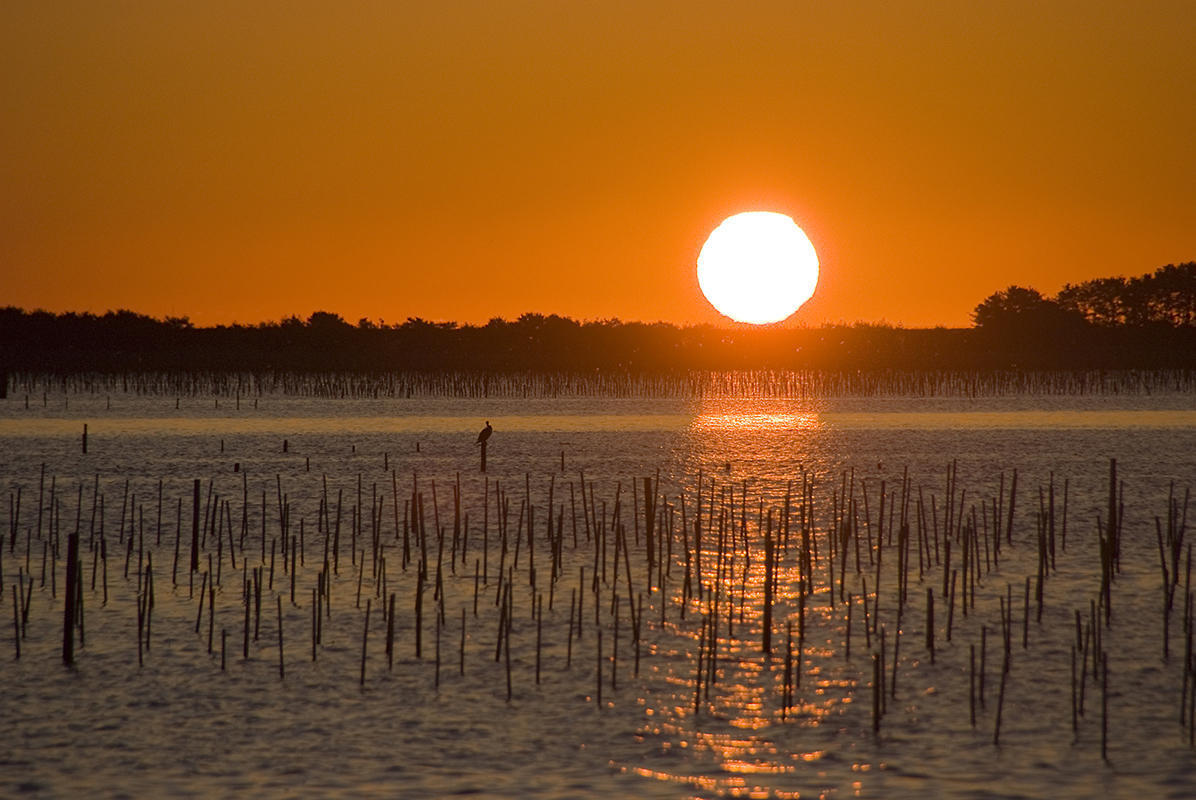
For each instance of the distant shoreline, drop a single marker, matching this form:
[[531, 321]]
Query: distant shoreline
[[125, 342], [237, 389]]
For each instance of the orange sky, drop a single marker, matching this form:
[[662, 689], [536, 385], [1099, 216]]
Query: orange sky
[[463, 160]]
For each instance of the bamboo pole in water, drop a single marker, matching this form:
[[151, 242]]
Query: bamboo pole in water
[[69, 607], [1001, 700], [281, 664], [365, 633], [16, 623], [390, 634]]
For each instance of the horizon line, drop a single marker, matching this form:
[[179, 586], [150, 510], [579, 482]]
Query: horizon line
[[382, 323]]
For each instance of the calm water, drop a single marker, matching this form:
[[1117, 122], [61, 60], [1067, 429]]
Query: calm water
[[179, 724]]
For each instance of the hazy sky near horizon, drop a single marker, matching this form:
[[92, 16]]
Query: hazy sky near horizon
[[245, 161]]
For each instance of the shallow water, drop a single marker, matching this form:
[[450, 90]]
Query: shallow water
[[178, 724]]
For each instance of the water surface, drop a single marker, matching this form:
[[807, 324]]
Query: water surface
[[178, 724]]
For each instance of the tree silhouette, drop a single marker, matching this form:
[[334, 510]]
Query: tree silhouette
[[1018, 306], [1103, 301], [1169, 295], [1144, 322], [1165, 297]]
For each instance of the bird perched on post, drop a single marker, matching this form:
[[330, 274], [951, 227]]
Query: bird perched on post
[[485, 434]]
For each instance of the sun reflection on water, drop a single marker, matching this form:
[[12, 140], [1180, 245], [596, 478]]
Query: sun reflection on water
[[732, 421], [741, 727]]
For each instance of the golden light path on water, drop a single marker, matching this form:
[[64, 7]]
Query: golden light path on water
[[704, 421], [724, 713]]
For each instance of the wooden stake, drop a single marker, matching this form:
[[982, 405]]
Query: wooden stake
[[1104, 707], [930, 622], [365, 633], [1001, 702], [281, 665]]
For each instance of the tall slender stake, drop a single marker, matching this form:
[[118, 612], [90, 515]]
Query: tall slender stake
[[365, 633], [281, 666], [1001, 702], [1104, 707]]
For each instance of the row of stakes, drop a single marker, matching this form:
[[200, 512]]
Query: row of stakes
[[714, 555]]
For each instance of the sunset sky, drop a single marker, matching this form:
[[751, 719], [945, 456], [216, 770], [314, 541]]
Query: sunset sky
[[245, 161]]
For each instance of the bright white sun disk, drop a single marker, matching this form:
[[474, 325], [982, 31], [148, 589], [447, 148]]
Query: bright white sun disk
[[758, 267]]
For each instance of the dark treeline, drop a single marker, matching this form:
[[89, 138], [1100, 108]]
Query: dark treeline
[[1114, 323], [1147, 321], [1165, 298]]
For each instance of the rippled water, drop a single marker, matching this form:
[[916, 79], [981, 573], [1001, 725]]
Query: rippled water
[[178, 724]]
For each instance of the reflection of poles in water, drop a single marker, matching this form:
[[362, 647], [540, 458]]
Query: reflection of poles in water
[[483, 437]]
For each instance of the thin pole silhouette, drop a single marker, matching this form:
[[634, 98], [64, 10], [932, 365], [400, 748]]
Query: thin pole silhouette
[[483, 437]]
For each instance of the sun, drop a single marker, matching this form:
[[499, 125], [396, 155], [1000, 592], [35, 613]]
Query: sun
[[758, 267]]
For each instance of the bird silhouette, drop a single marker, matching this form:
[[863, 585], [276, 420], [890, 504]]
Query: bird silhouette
[[485, 434]]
